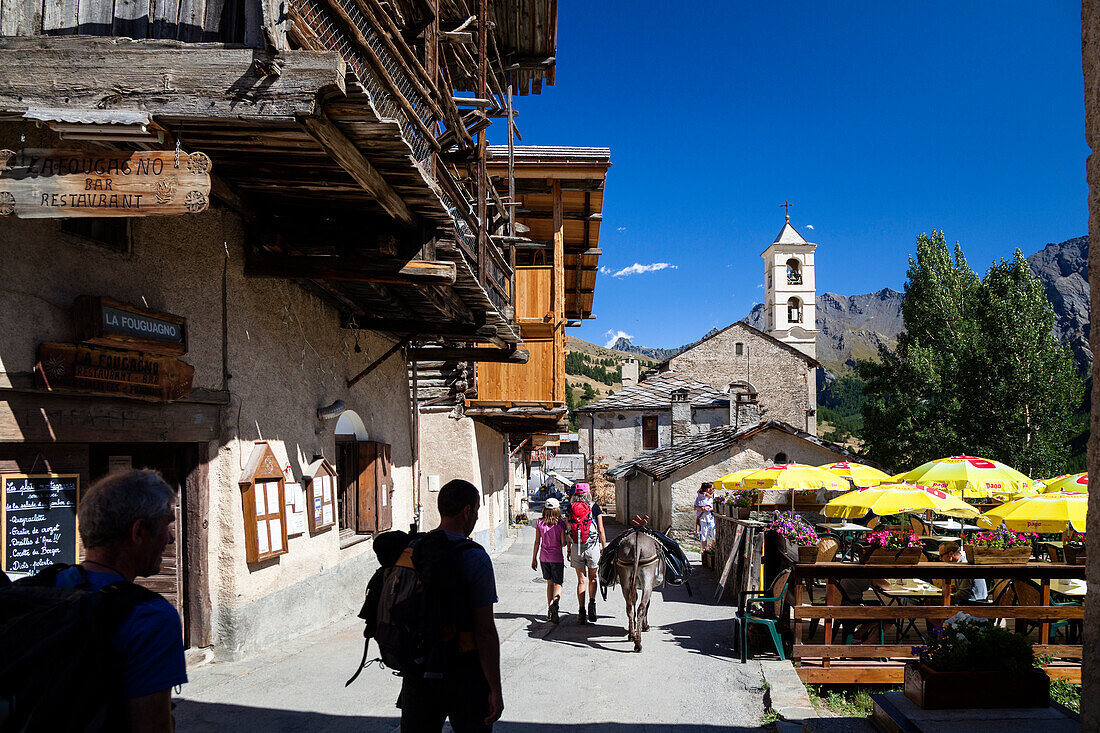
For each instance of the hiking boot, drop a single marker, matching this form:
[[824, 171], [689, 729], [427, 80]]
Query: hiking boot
[[592, 609], [581, 618], [552, 617]]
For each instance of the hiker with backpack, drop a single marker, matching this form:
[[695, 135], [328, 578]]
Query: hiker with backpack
[[439, 632], [83, 647], [549, 543], [586, 539]]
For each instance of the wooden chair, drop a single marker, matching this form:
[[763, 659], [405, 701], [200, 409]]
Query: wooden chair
[[918, 526], [747, 616]]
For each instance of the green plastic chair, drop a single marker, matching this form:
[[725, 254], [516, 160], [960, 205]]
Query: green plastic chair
[[746, 617]]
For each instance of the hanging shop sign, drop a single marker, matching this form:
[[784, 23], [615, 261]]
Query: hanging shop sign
[[47, 183], [107, 322], [110, 372]]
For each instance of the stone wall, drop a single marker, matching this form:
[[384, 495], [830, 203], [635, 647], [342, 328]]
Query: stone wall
[[1090, 671], [617, 435], [787, 385], [463, 448]]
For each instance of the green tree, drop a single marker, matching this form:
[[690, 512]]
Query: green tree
[[588, 394], [977, 370]]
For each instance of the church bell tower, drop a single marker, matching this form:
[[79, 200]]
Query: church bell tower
[[790, 297]]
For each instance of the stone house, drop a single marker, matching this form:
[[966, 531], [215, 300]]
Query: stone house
[[249, 331], [783, 377], [663, 483], [648, 415]]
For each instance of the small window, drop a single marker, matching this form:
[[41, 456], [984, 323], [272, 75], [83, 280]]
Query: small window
[[649, 432], [781, 458], [739, 349], [112, 233], [794, 310]]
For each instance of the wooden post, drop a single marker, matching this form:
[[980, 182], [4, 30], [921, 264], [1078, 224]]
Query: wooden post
[[558, 290], [511, 196], [799, 625], [1044, 624], [482, 175], [832, 598]]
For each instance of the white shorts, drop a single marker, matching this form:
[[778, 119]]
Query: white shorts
[[585, 557]]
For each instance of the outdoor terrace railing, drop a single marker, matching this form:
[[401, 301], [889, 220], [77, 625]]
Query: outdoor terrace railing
[[833, 662]]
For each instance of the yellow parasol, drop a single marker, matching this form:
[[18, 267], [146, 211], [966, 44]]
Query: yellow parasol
[[970, 476], [1041, 513], [732, 481], [793, 476], [887, 499], [859, 474], [1075, 482]]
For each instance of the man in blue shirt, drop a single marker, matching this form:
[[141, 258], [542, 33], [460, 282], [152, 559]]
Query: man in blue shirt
[[125, 524], [470, 691]]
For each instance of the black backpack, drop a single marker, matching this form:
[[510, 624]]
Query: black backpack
[[411, 603], [59, 670]]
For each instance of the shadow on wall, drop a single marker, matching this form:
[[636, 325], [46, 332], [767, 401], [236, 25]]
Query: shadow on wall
[[200, 716]]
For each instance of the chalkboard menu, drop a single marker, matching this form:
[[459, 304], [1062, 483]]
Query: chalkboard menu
[[39, 520]]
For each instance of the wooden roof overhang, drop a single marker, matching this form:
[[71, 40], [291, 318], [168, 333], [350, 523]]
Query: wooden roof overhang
[[298, 147], [581, 174], [526, 418]]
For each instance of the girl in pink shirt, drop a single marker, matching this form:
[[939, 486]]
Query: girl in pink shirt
[[549, 542]]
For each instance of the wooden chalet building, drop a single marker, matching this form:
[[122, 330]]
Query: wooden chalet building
[[554, 234], [233, 234]]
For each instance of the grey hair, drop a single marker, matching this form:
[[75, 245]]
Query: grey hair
[[111, 505]]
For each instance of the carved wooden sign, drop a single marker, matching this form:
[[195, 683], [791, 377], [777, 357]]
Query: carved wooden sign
[[108, 322], [47, 183], [106, 371]]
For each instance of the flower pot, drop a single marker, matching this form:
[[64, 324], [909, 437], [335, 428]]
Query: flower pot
[[933, 690], [740, 512], [995, 556], [807, 554], [1075, 555], [871, 555]]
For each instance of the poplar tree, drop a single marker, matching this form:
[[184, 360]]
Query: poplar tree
[[977, 370]]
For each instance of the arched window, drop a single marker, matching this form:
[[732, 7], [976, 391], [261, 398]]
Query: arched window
[[794, 272], [780, 458], [794, 310]]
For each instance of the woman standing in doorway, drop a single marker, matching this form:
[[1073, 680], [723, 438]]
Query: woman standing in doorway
[[549, 541]]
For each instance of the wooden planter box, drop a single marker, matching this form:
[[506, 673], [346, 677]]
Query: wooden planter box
[[991, 556], [932, 690], [801, 554], [870, 555], [739, 512], [1074, 555]]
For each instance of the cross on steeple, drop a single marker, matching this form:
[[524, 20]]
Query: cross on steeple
[[787, 205]]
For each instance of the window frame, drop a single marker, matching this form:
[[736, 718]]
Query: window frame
[[655, 432]]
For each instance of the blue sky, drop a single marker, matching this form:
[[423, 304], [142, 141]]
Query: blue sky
[[876, 120]]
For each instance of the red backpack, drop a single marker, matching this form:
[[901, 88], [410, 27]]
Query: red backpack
[[581, 515]]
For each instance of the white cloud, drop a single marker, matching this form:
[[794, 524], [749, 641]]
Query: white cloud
[[621, 229], [638, 268], [809, 226], [605, 270], [760, 285], [613, 336]]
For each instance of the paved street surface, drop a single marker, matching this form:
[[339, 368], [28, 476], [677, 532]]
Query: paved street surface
[[569, 677]]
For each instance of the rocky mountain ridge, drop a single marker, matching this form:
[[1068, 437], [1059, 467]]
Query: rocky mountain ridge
[[852, 327]]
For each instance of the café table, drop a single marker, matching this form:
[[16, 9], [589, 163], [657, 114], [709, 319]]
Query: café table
[[1069, 587], [848, 531], [909, 592], [954, 525]]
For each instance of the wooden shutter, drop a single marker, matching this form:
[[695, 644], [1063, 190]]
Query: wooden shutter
[[367, 500]]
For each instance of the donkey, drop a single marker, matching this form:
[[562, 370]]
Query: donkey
[[638, 565]]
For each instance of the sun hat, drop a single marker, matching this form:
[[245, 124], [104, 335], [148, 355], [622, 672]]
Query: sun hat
[[553, 503]]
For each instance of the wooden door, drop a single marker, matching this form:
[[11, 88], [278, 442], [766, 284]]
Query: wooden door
[[367, 500], [384, 488], [347, 476]]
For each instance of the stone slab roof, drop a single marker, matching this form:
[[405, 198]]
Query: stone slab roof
[[656, 392], [661, 463], [752, 330]]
